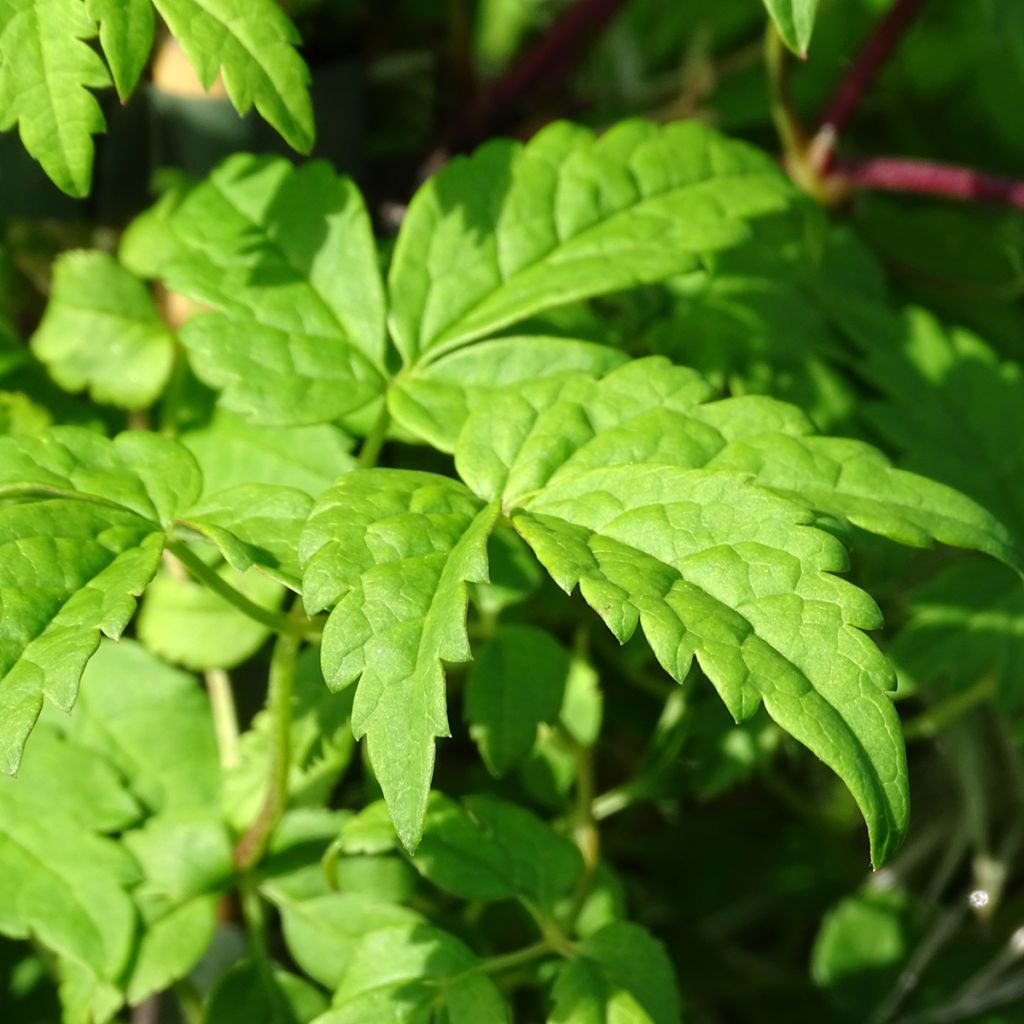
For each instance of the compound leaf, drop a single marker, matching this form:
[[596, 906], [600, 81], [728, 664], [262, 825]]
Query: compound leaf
[[253, 46], [616, 496], [390, 551], [622, 976], [513, 229], [101, 331], [126, 35], [286, 259], [46, 70]]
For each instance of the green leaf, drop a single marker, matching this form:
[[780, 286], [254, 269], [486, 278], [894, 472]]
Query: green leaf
[[489, 849], [390, 551], [191, 626], [409, 975], [255, 525], [253, 47], [183, 853], [46, 70], [795, 21], [165, 746], [286, 259], [622, 976], [175, 938], [434, 401], [126, 35], [61, 881], [516, 682], [244, 995], [861, 947], [73, 564], [964, 623], [710, 564], [101, 331], [322, 933], [232, 452], [513, 229]]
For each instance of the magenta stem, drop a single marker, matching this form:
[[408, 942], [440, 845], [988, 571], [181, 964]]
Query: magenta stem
[[873, 54], [548, 62], [899, 175]]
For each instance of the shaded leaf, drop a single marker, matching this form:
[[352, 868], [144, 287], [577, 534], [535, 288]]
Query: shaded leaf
[[513, 229], [516, 682]]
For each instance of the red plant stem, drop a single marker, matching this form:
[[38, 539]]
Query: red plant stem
[[898, 175], [873, 54], [549, 61]]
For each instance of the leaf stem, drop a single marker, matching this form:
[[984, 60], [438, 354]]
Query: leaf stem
[[546, 63], [509, 961], [370, 452], [202, 573], [896, 174], [252, 845], [882, 40], [225, 717], [929, 723], [585, 832]]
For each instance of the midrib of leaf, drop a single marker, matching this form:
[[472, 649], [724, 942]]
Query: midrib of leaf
[[44, 491], [450, 339]]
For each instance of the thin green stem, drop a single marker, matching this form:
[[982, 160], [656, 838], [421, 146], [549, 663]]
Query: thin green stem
[[190, 1003], [934, 720], [202, 573], [585, 832], [225, 717], [517, 958], [252, 845], [255, 918], [790, 131], [374, 442]]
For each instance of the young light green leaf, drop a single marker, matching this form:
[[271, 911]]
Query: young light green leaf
[[253, 47], [861, 948], [390, 552], [516, 682], [166, 746], [513, 230], [46, 70], [322, 933], [412, 973], [231, 452], [433, 401], [622, 975], [60, 881], [126, 35], [101, 331], [795, 21], [489, 849], [191, 626], [174, 938], [711, 565], [286, 259]]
